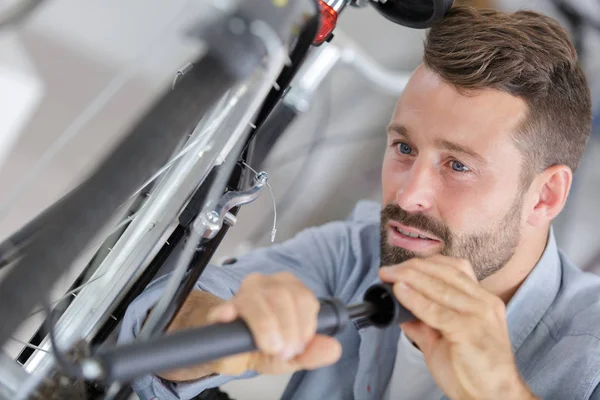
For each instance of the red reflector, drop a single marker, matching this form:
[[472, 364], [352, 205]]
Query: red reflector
[[328, 21]]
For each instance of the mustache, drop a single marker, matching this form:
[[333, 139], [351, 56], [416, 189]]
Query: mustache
[[420, 221]]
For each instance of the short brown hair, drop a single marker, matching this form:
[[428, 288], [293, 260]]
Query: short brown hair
[[528, 55]]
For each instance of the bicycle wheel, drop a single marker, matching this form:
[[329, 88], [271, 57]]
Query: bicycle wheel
[[49, 238]]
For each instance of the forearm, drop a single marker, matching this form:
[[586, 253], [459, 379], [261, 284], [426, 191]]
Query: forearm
[[519, 390], [192, 314], [194, 310], [529, 395]]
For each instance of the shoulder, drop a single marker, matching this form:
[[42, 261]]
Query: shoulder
[[353, 247], [364, 230], [576, 310], [573, 323], [366, 212], [364, 224], [361, 226], [345, 242]]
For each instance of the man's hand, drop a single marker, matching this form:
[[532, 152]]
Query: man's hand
[[282, 315], [461, 331]]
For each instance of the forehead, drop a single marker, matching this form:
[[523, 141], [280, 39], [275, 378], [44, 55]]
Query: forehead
[[434, 110]]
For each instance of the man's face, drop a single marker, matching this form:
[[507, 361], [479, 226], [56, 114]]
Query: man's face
[[452, 175]]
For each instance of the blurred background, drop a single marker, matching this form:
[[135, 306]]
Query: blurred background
[[326, 162], [330, 158]]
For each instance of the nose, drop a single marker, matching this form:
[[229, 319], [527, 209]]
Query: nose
[[416, 192]]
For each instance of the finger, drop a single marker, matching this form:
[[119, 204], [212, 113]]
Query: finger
[[422, 335], [222, 313], [426, 310], [286, 312], [321, 351], [457, 264], [440, 291], [460, 274], [439, 269], [442, 269], [308, 307], [263, 323]]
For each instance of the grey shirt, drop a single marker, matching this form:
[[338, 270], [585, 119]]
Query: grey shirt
[[553, 319]]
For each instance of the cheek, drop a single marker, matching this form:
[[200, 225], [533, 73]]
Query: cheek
[[386, 190], [390, 181], [473, 209], [459, 213]]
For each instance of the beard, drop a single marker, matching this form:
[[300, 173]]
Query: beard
[[488, 250]]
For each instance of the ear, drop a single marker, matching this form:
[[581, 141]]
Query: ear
[[549, 190]]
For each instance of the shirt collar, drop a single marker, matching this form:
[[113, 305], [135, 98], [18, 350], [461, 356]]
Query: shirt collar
[[536, 294]]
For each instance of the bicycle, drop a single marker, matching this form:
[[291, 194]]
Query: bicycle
[[191, 175]]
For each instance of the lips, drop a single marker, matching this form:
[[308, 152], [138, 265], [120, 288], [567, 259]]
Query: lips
[[411, 232], [410, 238]]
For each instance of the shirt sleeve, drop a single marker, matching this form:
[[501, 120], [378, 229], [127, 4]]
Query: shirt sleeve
[[315, 256], [596, 393]]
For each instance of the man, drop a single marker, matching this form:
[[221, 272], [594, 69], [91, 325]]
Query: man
[[481, 150]]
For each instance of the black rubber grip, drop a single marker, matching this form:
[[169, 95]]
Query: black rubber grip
[[333, 317], [388, 309], [200, 345]]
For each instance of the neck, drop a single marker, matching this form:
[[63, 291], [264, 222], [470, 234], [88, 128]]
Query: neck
[[509, 278]]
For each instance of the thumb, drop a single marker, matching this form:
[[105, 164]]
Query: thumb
[[425, 337], [321, 351]]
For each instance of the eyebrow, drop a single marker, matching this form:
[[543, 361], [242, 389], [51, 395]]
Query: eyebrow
[[440, 143]]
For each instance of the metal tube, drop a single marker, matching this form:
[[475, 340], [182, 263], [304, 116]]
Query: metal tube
[[322, 60], [391, 82], [361, 310], [319, 63]]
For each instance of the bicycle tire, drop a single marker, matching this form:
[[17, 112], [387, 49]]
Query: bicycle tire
[[152, 141]]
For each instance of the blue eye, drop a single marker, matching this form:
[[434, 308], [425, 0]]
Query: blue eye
[[458, 166], [404, 148]]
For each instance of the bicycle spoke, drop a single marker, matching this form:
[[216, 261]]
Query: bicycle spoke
[[207, 132], [31, 346], [113, 230], [66, 295]]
